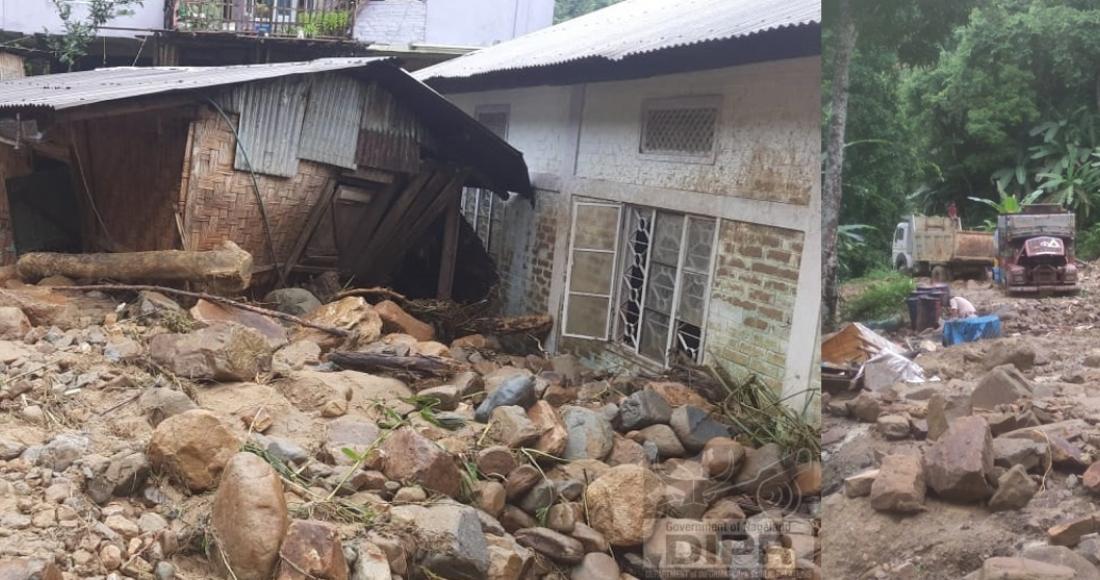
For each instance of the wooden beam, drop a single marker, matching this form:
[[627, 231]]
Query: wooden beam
[[394, 248], [314, 218], [449, 255], [394, 220]]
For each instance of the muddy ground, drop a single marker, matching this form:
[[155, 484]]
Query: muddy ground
[[950, 540]]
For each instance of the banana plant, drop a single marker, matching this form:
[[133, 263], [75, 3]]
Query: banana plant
[[1008, 202]]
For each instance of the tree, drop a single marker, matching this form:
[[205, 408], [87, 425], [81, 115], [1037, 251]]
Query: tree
[[79, 33], [567, 9], [914, 30]]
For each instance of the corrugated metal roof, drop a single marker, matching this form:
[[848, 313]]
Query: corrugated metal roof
[[631, 27], [330, 132], [63, 91], [271, 115]]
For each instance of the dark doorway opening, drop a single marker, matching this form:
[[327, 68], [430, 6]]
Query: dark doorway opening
[[45, 213]]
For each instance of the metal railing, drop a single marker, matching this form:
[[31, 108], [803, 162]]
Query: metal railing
[[323, 19]]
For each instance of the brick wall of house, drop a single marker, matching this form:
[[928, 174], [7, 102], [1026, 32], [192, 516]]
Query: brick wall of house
[[755, 286], [523, 247]]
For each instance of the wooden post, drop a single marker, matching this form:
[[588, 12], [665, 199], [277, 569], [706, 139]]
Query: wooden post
[[449, 255]]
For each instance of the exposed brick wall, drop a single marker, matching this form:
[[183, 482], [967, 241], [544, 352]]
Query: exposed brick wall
[[523, 248], [753, 295]]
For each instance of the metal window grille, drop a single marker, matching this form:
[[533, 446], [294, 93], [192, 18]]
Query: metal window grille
[[680, 126]]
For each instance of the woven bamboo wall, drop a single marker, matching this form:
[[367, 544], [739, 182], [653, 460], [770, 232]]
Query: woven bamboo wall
[[221, 205], [132, 164], [13, 163]]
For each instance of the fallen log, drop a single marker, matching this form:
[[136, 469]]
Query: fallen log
[[531, 324], [418, 364], [210, 298], [226, 269]]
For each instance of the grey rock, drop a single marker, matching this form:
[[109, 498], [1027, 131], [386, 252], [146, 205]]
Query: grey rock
[[453, 542], [516, 390], [1014, 489], [642, 409], [295, 301], [124, 475], [542, 496], [590, 435], [1063, 556], [694, 427]]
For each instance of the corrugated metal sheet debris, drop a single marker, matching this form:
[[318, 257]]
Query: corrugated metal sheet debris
[[271, 125], [331, 129], [63, 91], [630, 28]]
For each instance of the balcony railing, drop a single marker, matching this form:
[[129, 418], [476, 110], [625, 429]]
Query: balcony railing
[[321, 19]]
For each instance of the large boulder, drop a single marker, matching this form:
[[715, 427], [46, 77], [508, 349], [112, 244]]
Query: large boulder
[[959, 465], [212, 313], [945, 406], [352, 314], [1023, 569], [642, 409], [1001, 386], [249, 517], [395, 319], [409, 456], [898, 485], [1013, 352], [623, 503], [1063, 556], [193, 448], [219, 352], [590, 433]]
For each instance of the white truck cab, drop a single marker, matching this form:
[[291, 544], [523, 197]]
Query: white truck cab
[[902, 256]]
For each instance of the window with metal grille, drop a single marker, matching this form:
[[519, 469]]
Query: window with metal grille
[[477, 204], [680, 127], [648, 271]]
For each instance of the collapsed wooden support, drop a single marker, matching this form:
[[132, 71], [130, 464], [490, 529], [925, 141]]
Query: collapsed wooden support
[[375, 362], [227, 269]]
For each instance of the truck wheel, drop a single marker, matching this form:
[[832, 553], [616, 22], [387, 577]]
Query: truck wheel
[[941, 274]]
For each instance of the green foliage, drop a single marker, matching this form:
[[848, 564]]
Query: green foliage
[[79, 33], [1008, 202], [568, 9], [334, 23], [1088, 243], [882, 297]]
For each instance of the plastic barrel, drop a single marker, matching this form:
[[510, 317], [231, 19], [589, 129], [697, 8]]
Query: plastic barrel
[[911, 304]]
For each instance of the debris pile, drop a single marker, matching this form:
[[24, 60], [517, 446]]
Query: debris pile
[[988, 468], [145, 438]]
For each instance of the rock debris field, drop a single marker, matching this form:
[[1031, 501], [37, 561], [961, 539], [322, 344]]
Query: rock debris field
[[141, 437], [990, 469]]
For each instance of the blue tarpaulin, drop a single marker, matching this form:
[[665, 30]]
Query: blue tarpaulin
[[971, 329]]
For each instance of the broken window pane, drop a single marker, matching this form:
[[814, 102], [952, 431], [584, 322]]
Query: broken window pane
[[587, 316], [661, 287], [632, 284], [693, 288], [689, 340], [700, 240], [666, 238], [654, 338]]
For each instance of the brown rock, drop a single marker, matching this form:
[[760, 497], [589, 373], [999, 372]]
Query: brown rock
[[959, 464], [220, 352], [1014, 489], [512, 518], [520, 480], [626, 452], [395, 319], [409, 456], [859, 485], [808, 478], [622, 504], [352, 314], [596, 567], [193, 448], [553, 435], [256, 418], [312, 550], [945, 407], [249, 517], [592, 540], [490, 497], [722, 458], [14, 325], [864, 407], [28, 569], [495, 460], [725, 509], [678, 395], [1069, 533], [211, 313], [1001, 386], [512, 427], [354, 435], [553, 545], [899, 486]]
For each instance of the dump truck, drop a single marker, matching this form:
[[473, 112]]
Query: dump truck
[[1035, 250], [939, 247]]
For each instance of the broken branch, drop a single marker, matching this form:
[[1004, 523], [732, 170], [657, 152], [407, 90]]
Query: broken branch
[[368, 362], [212, 298]]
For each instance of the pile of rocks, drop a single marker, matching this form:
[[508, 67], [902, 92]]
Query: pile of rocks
[[166, 442]]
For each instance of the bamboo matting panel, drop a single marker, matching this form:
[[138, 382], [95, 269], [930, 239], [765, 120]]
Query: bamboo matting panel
[[221, 204], [133, 165]]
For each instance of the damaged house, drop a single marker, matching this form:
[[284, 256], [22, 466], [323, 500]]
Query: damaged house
[[332, 165], [674, 147]]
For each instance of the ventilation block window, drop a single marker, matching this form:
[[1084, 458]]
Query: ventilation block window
[[684, 127]]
